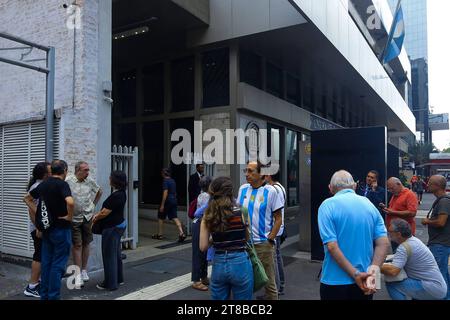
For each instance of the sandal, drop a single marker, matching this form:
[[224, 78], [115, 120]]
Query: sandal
[[205, 281], [199, 286], [157, 236], [181, 237]]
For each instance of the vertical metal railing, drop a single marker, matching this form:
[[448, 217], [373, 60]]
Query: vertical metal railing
[[126, 159]]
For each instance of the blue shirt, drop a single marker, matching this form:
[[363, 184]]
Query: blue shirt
[[354, 223], [170, 185], [261, 203]]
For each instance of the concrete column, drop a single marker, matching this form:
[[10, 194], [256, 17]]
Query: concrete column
[[103, 115], [234, 121]]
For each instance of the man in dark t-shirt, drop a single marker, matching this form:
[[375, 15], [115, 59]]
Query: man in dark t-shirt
[[56, 200], [439, 226]]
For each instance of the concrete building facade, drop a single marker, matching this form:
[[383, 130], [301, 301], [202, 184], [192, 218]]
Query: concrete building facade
[[288, 66]]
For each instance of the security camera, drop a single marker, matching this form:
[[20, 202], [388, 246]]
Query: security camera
[[108, 99]]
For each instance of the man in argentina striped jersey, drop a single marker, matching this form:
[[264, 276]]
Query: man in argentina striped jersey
[[264, 209]]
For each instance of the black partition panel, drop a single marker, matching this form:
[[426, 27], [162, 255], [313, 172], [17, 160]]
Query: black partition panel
[[356, 150], [393, 154]]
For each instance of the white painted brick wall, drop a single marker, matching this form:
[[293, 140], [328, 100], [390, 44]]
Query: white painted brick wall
[[22, 92]]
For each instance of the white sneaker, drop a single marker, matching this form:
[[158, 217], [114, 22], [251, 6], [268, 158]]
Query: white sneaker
[[79, 282], [84, 275]]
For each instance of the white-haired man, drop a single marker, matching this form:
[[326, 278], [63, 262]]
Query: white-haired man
[[86, 194], [349, 224]]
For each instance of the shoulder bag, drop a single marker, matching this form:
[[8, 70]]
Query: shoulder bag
[[260, 278]]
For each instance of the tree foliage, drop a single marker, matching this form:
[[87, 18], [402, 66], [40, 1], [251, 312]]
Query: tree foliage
[[420, 152]]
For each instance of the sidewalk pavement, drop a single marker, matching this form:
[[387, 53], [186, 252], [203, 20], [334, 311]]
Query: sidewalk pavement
[[152, 270]]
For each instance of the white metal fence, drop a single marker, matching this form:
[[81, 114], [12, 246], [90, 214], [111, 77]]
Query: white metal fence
[[22, 146], [126, 160]]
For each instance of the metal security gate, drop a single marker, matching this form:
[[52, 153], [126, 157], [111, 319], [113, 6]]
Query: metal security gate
[[21, 147], [126, 160]]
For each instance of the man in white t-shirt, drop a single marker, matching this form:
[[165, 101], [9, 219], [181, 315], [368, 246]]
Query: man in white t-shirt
[[264, 209]]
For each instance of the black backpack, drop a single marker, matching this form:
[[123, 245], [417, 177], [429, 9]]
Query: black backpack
[[44, 220]]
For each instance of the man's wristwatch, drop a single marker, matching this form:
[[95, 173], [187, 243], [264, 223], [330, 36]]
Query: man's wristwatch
[[356, 273], [271, 240]]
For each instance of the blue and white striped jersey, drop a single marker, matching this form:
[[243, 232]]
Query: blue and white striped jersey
[[282, 195], [261, 203]]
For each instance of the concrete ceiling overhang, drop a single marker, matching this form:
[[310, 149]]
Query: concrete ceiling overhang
[[396, 117], [169, 14], [306, 46], [168, 23]]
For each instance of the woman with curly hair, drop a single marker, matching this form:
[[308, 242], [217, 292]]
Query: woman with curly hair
[[232, 269]]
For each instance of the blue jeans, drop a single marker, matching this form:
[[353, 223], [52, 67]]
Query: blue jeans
[[279, 266], [232, 272], [441, 254], [401, 290], [56, 245], [112, 257]]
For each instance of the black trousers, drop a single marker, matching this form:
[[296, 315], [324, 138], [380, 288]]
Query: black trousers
[[342, 292], [199, 262], [112, 257]]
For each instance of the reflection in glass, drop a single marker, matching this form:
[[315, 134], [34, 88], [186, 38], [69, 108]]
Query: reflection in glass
[[153, 154], [292, 167]]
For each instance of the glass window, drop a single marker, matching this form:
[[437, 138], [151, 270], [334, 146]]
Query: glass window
[[124, 134], [126, 100], [216, 78], [183, 84], [152, 162], [277, 146], [335, 111], [153, 89], [322, 110], [179, 171], [308, 98], [251, 68], [293, 90], [274, 80], [292, 167]]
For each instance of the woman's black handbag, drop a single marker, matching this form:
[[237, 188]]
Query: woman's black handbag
[[97, 227]]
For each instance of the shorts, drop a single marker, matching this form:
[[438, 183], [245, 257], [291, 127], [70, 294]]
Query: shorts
[[82, 233], [37, 244], [170, 210]]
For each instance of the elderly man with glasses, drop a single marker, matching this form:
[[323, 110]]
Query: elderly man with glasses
[[86, 194], [264, 207]]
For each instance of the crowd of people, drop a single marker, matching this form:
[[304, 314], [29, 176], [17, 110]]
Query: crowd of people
[[63, 217], [356, 241], [358, 228]]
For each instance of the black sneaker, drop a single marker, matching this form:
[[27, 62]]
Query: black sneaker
[[100, 286], [32, 292]]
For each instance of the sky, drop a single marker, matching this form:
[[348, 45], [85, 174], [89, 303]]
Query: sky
[[439, 64]]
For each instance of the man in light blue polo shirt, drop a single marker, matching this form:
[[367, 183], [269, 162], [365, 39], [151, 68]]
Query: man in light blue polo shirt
[[349, 225]]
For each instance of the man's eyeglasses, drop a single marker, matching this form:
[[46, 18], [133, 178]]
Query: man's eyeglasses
[[248, 170]]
